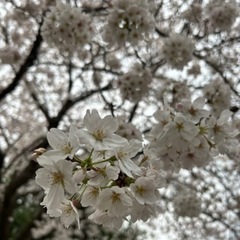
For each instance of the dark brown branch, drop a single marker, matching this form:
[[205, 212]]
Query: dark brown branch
[[132, 114], [215, 219], [37, 102], [158, 9], [70, 76], [2, 157], [69, 103], [160, 33], [216, 69], [25, 66]]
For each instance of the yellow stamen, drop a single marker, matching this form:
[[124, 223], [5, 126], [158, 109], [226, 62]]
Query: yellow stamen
[[57, 178]]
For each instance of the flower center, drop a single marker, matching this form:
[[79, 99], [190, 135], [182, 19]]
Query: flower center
[[67, 148], [67, 210], [115, 197], [141, 190], [122, 155], [99, 134], [94, 192], [179, 126], [57, 178]]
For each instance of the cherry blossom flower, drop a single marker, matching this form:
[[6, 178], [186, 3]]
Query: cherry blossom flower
[[64, 145], [221, 14], [143, 211], [135, 83], [128, 130], [130, 21], [67, 28], [187, 204], [144, 190], [79, 175], [218, 95], [193, 110], [90, 196], [195, 156], [124, 155], [115, 200], [55, 178], [182, 127], [178, 50], [103, 218], [102, 173], [100, 132], [219, 128], [67, 213]]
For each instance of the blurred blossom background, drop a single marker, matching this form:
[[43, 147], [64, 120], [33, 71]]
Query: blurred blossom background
[[148, 64]]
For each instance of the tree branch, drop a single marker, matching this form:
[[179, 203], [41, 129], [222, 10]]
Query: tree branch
[[25, 66]]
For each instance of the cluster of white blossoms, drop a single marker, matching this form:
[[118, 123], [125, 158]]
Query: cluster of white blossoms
[[9, 55], [128, 130], [177, 50], [135, 84], [110, 178], [194, 70], [187, 204], [113, 62], [218, 95], [194, 14], [222, 14], [130, 21], [180, 90], [190, 137], [116, 180], [67, 28]]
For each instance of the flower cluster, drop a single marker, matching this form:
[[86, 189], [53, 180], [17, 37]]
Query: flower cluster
[[190, 137], [187, 204], [194, 70], [177, 51], [110, 178], [218, 95], [114, 178], [221, 14], [113, 62], [130, 21], [135, 84], [194, 14], [67, 28], [128, 130], [9, 55]]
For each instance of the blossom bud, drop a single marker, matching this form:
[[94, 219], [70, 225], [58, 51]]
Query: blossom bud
[[37, 152]]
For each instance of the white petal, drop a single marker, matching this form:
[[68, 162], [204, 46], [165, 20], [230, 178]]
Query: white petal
[[112, 172], [45, 161], [86, 138], [56, 138], [104, 201], [90, 196], [54, 213], [110, 124], [199, 102], [42, 178], [91, 119], [224, 117], [114, 141], [54, 197], [131, 166], [125, 169], [73, 139], [56, 155]]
